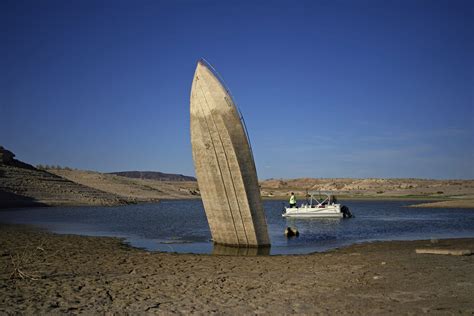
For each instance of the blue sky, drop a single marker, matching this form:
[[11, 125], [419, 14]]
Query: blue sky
[[327, 88]]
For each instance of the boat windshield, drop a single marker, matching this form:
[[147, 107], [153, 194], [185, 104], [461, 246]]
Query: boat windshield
[[323, 198]]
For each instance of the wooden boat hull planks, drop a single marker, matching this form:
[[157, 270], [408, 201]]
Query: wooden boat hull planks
[[224, 165]]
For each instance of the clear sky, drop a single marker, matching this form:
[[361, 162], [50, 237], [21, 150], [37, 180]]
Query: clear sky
[[327, 88]]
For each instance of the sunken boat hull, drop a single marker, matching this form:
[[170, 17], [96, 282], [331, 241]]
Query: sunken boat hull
[[224, 164]]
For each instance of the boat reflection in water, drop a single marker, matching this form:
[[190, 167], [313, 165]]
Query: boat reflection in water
[[221, 250]]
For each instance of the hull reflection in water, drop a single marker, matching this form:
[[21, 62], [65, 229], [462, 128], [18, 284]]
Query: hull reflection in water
[[222, 250]]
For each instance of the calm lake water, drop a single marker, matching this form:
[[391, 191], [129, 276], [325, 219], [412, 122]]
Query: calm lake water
[[181, 226]]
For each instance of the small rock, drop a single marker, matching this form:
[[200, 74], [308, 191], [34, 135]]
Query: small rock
[[291, 232]]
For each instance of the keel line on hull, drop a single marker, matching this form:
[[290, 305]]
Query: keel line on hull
[[220, 169], [227, 89], [224, 162]]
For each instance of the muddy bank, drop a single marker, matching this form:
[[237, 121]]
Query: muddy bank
[[74, 274]]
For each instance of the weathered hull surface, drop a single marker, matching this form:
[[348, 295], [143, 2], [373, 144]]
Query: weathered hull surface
[[224, 165]]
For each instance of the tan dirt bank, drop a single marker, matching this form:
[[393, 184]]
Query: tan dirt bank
[[74, 274], [460, 203]]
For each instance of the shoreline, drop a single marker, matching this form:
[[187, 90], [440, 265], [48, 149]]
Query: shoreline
[[219, 249], [433, 202], [458, 203], [80, 274]]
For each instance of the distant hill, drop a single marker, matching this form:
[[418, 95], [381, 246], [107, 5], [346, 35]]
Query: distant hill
[[374, 187], [154, 175]]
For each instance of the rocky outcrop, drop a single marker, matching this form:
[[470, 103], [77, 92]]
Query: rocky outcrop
[[6, 156]]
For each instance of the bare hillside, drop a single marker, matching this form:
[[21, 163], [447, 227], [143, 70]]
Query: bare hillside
[[371, 187], [154, 175], [23, 185], [139, 190]]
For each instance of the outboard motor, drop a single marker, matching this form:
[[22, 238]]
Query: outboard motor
[[346, 213]]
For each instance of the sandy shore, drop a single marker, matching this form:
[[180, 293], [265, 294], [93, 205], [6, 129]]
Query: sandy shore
[[74, 274], [459, 203]]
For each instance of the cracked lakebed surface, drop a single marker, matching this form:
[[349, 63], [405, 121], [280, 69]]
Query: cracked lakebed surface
[[78, 274]]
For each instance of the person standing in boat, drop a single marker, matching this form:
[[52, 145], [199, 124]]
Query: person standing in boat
[[292, 200]]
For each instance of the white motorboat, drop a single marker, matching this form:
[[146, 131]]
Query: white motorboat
[[319, 208]]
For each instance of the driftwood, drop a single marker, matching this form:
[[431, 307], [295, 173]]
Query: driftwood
[[23, 261], [452, 252]]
